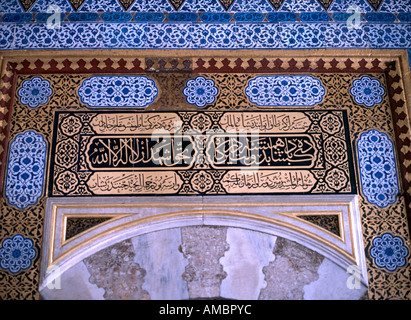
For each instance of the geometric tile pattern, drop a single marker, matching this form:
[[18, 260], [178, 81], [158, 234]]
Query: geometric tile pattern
[[389, 252], [35, 92], [200, 91], [378, 170], [17, 253], [367, 91]]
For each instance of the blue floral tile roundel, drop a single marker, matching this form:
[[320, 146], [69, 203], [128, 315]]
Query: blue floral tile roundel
[[389, 252], [367, 91], [200, 91], [35, 92], [17, 254]]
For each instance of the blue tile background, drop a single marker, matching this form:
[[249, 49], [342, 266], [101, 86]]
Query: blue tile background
[[251, 24]]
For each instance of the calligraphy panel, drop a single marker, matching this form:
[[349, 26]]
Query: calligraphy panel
[[204, 152]]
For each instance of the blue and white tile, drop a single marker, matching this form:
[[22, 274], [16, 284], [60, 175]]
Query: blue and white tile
[[302, 35], [389, 252], [258, 35], [25, 169], [367, 91], [301, 6], [7, 31], [52, 18], [151, 6], [144, 17], [350, 6], [251, 6], [202, 6], [215, 17], [45, 6], [389, 36], [285, 91], [83, 16], [182, 16], [281, 16], [81, 35], [378, 169], [214, 36], [35, 91], [118, 91], [404, 16], [118, 17], [387, 17], [168, 35], [124, 35], [101, 6], [17, 253], [395, 6], [248, 16], [200, 91], [10, 6], [341, 35], [17, 17], [314, 16], [36, 36]]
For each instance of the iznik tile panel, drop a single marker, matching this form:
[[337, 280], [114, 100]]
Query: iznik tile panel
[[378, 169], [196, 24], [285, 91], [389, 252], [17, 253], [124, 153], [26, 169], [118, 91]]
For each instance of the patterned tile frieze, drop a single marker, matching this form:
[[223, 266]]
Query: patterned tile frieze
[[193, 35], [206, 5]]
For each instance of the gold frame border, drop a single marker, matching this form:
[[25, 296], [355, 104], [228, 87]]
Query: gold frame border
[[206, 211]]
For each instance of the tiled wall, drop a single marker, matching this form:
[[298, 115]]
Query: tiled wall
[[204, 24]]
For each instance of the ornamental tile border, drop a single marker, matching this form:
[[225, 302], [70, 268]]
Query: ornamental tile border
[[194, 35]]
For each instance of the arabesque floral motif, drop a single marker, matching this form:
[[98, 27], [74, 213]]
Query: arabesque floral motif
[[17, 254], [367, 91], [389, 252], [35, 91], [200, 91]]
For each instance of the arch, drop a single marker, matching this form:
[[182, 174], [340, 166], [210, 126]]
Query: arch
[[133, 217]]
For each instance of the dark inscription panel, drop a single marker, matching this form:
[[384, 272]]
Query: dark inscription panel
[[187, 153]]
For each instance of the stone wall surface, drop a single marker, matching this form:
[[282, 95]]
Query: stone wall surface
[[205, 262]]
